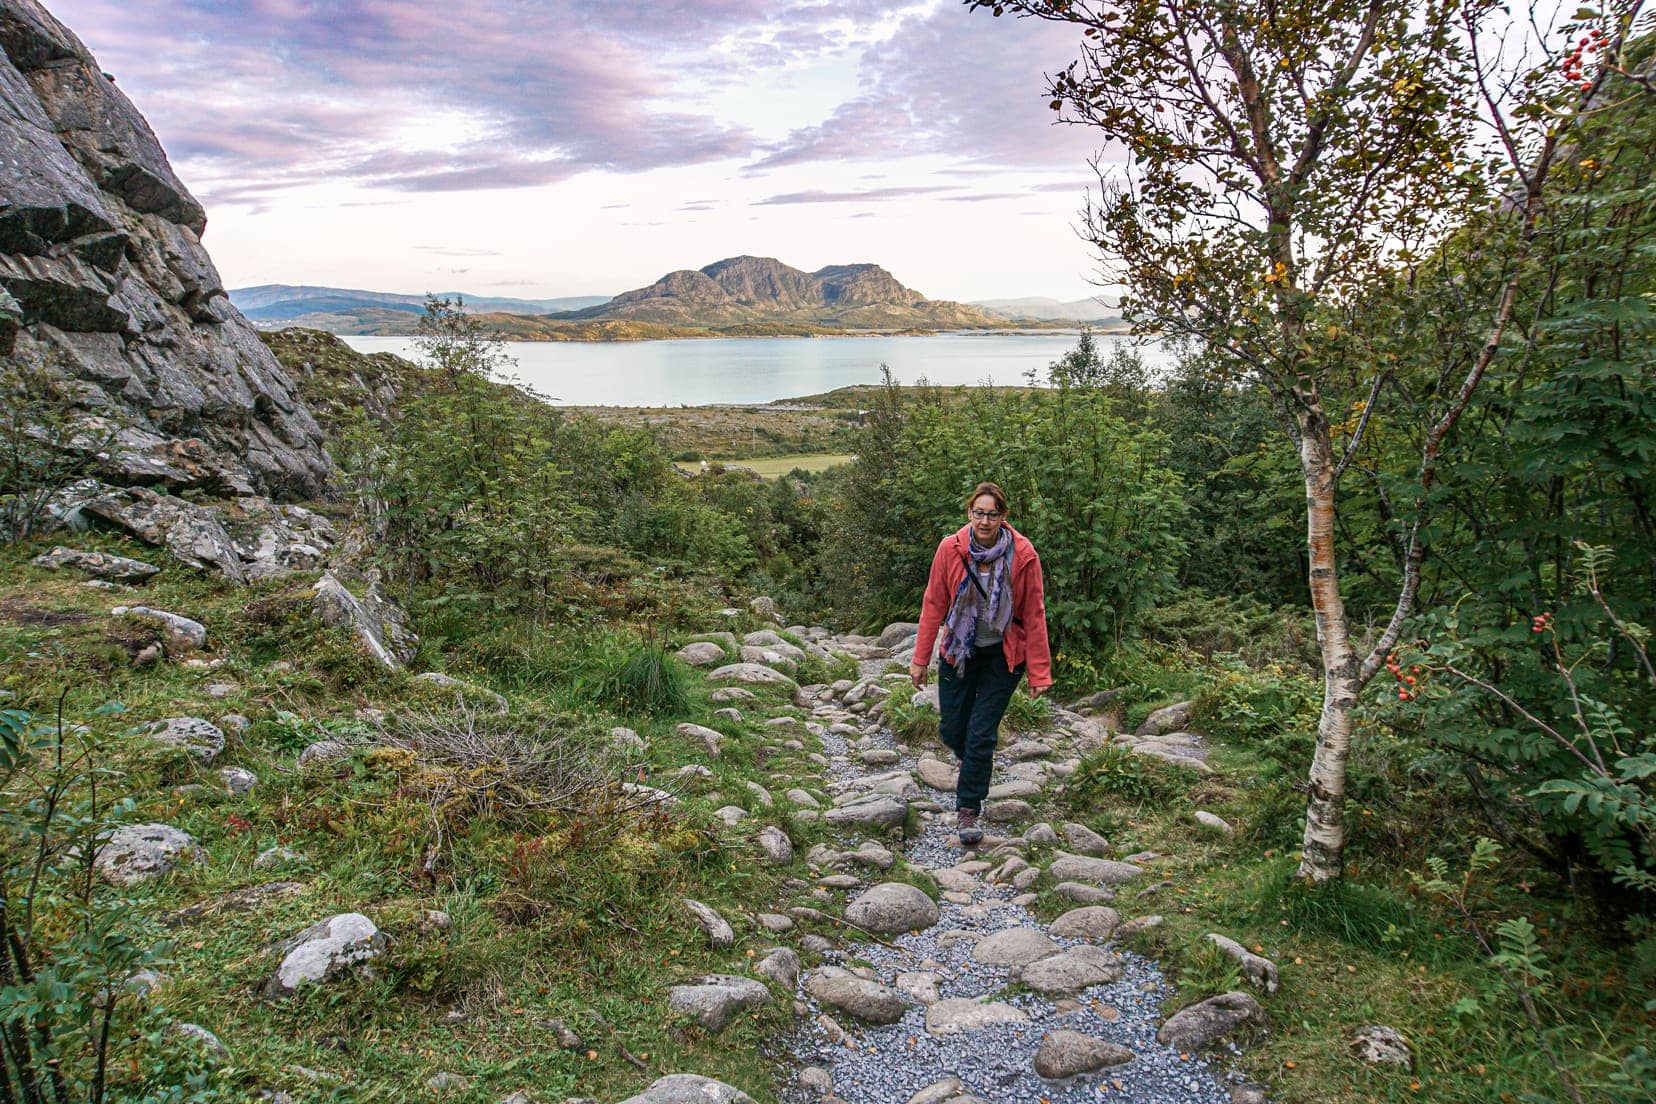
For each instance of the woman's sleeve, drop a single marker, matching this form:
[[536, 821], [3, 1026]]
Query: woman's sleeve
[[1032, 611], [934, 607]]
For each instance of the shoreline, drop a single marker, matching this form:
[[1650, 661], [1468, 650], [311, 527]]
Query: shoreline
[[704, 335]]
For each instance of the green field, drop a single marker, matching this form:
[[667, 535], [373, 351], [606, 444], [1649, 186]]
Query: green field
[[773, 467]]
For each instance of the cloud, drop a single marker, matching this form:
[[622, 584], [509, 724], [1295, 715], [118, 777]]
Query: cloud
[[872, 195], [982, 197], [951, 83], [467, 94], [255, 97]]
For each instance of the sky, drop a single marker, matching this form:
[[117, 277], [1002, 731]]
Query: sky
[[585, 147]]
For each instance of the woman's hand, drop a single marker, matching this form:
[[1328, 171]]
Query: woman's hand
[[1037, 691], [917, 674]]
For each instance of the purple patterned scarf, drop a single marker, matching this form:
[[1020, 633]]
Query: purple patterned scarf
[[960, 627]]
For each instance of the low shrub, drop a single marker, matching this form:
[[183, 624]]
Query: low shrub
[[912, 724], [1026, 714], [1215, 624], [1114, 772], [1256, 706]]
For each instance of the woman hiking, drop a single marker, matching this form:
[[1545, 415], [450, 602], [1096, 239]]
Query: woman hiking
[[984, 593]]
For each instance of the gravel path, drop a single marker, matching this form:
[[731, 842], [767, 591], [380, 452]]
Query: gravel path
[[889, 1065]]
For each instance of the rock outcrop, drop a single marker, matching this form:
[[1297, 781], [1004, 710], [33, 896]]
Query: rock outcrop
[[104, 284]]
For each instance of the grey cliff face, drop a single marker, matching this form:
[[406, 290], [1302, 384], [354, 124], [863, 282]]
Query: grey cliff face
[[104, 283]]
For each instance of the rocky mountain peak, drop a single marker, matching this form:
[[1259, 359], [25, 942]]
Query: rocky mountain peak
[[104, 284], [749, 289]]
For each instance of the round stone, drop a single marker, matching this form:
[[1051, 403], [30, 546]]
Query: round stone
[[892, 907]]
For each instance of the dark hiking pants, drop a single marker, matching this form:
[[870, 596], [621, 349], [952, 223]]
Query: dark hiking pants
[[972, 706]]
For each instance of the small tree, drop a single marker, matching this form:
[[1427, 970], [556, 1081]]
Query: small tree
[[1285, 159]]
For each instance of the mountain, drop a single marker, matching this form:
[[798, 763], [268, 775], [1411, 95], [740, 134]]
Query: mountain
[[293, 303], [738, 296], [746, 291], [1048, 310]]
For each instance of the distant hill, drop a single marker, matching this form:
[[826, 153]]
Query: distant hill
[[735, 297], [1049, 310], [762, 291], [290, 303]]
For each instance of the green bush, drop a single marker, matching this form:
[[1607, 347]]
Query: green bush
[[71, 941], [1026, 714], [1085, 486], [1260, 706], [1558, 719], [912, 724], [1115, 772], [1212, 624], [625, 674]]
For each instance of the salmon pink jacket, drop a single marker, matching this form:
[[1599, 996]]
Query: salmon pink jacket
[[1025, 639]]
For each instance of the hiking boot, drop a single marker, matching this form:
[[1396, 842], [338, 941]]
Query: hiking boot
[[966, 822]]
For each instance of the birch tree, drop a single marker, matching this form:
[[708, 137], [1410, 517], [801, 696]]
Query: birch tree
[[1271, 167]]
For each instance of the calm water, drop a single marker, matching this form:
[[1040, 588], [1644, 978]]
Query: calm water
[[700, 371]]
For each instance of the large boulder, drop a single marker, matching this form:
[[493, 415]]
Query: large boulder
[[865, 1000], [1071, 971], [937, 774], [701, 653], [1203, 1024], [201, 739], [326, 950], [1084, 840], [249, 539], [101, 257], [1014, 947], [1083, 868], [713, 1000], [1094, 922], [138, 853], [1169, 718], [97, 565], [895, 633], [752, 674], [182, 634], [1070, 1053], [875, 810], [892, 907], [375, 620], [959, 1015]]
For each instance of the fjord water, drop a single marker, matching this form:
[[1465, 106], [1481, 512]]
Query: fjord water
[[703, 371]]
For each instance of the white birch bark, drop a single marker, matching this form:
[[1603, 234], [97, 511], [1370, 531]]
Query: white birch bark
[[1320, 860]]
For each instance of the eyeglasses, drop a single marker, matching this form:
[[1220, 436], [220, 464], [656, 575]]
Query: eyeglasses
[[986, 515]]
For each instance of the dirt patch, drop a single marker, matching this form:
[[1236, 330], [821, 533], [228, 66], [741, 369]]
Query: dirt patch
[[19, 612]]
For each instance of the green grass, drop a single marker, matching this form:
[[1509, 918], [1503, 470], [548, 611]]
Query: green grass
[[584, 926], [774, 467], [570, 916], [1371, 949]]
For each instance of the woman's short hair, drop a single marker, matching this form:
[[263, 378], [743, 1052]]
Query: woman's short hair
[[993, 491]]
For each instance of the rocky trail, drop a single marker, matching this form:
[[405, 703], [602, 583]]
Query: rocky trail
[[920, 971], [972, 997]]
